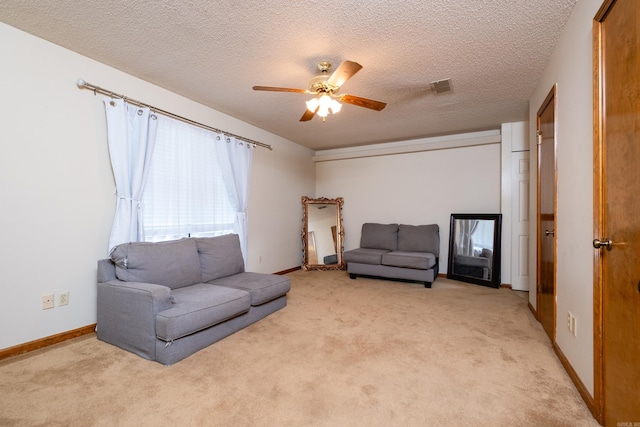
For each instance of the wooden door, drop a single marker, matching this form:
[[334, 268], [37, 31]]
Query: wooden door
[[546, 289], [617, 212]]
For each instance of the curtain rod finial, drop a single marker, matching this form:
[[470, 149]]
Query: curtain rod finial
[[81, 83]]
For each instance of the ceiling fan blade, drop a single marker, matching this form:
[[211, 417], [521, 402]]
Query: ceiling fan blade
[[308, 115], [344, 72], [280, 89], [363, 102]]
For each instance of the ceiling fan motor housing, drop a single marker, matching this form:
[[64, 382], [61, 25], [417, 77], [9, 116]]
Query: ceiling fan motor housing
[[319, 85]]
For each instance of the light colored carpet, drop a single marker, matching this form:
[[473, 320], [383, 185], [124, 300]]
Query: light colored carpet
[[344, 352]]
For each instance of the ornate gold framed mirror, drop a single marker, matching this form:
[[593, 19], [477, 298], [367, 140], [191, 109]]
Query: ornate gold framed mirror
[[322, 234]]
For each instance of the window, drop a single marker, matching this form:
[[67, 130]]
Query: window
[[185, 194]]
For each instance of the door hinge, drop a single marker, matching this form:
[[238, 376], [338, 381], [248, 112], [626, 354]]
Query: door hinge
[[539, 136]]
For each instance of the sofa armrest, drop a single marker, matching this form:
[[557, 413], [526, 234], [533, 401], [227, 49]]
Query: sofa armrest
[[127, 314], [106, 270]]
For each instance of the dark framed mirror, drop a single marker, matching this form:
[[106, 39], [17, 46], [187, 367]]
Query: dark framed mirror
[[322, 234], [474, 248]]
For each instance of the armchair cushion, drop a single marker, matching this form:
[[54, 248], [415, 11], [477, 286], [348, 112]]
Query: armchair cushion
[[197, 307], [379, 236], [220, 256], [364, 255], [417, 260], [174, 263], [262, 287], [419, 238]]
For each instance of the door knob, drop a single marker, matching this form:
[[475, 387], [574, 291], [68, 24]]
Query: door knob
[[605, 243], [549, 233]]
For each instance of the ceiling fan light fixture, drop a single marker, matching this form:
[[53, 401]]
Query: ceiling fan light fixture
[[312, 104], [323, 104], [335, 106], [323, 109], [325, 87]]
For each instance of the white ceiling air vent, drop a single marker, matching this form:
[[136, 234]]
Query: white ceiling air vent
[[441, 86]]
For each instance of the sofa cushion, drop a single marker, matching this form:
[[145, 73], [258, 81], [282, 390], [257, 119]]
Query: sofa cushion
[[472, 261], [419, 238], [417, 260], [173, 263], [364, 255], [379, 236], [262, 287], [198, 307], [220, 256]]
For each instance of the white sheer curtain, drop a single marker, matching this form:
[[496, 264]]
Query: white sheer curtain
[[131, 133], [483, 234], [467, 228], [186, 194], [235, 160]]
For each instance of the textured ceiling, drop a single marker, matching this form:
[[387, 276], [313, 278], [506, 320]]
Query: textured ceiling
[[214, 52]]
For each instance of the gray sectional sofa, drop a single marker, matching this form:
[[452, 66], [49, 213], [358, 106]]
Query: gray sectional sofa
[[164, 301], [396, 251]]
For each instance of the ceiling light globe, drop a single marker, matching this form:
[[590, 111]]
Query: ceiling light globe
[[322, 105], [323, 111], [312, 104], [325, 101]]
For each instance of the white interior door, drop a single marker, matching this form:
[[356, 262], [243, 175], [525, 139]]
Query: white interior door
[[520, 220]]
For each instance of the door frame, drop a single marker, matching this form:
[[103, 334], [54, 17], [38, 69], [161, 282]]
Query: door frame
[[551, 97]]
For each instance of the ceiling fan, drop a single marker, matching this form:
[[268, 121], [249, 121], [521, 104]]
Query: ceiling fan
[[326, 87]]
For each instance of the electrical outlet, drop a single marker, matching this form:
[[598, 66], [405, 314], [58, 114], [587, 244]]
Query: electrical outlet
[[63, 298], [47, 301], [260, 259]]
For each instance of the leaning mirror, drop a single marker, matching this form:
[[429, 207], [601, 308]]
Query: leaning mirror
[[474, 248], [322, 234]]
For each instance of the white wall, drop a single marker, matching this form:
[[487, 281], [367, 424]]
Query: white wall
[[279, 179], [571, 68], [57, 188], [413, 188]]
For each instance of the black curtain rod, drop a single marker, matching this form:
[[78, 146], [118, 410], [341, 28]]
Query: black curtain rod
[[97, 89]]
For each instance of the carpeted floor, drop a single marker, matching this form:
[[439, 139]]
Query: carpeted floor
[[343, 352]]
